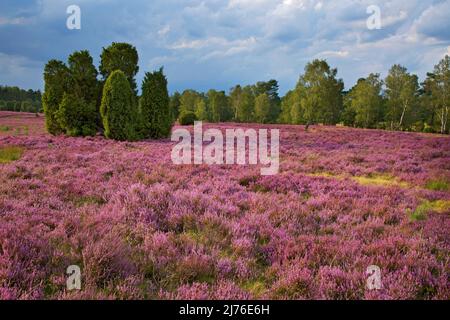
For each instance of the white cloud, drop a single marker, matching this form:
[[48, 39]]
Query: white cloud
[[391, 20], [325, 54], [248, 3], [15, 21], [434, 21], [165, 30], [318, 6], [227, 47]]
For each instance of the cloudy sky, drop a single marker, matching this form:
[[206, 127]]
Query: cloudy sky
[[218, 43]]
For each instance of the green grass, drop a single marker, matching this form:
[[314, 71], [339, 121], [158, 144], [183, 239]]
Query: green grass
[[4, 128], [440, 206], [255, 287], [421, 212], [10, 154], [24, 130], [324, 175], [380, 180], [437, 185], [87, 200], [372, 180]]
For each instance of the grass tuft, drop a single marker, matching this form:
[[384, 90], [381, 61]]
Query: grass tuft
[[256, 287], [440, 206], [10, 154], [324, 175], [380, 180], [421, 212], [88, 200], [437, 185]]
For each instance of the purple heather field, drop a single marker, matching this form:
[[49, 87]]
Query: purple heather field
[[141, 227]]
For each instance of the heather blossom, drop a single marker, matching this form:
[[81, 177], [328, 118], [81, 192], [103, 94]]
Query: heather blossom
[[141, 227]]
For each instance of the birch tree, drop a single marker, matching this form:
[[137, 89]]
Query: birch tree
[[401, 90]]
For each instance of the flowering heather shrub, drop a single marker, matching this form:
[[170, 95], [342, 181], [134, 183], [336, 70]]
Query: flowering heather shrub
[[140, 227]]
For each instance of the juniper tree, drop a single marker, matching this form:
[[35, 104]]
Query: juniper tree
[[56, 78], [120, 56], [156, 118], [118, 110], [77, 113]]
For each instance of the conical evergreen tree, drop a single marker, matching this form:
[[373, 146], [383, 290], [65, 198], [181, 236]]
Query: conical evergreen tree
[[118, 111], [156, 118]]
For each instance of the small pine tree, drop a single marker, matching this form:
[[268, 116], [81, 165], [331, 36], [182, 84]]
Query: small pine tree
[[156, 118], [118, 111]]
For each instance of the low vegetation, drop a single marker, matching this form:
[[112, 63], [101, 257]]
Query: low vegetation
[[438, 185], [187, 118], [426, 207], [380, 180], [140, 227], [10, 153]]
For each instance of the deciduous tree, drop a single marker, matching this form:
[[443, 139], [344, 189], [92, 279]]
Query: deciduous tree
[[321, 100], [401, 90], [262, 108]]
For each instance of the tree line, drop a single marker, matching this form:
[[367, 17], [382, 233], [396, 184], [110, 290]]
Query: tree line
[[80, 100], [19, 100], [77, 103], [398, 102]]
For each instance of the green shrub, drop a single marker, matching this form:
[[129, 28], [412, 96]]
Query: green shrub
[[417, 126], [77, 117], [118, 111], [154, 106], [10, 105], [187, 118], [56, 77], [427, 128]]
